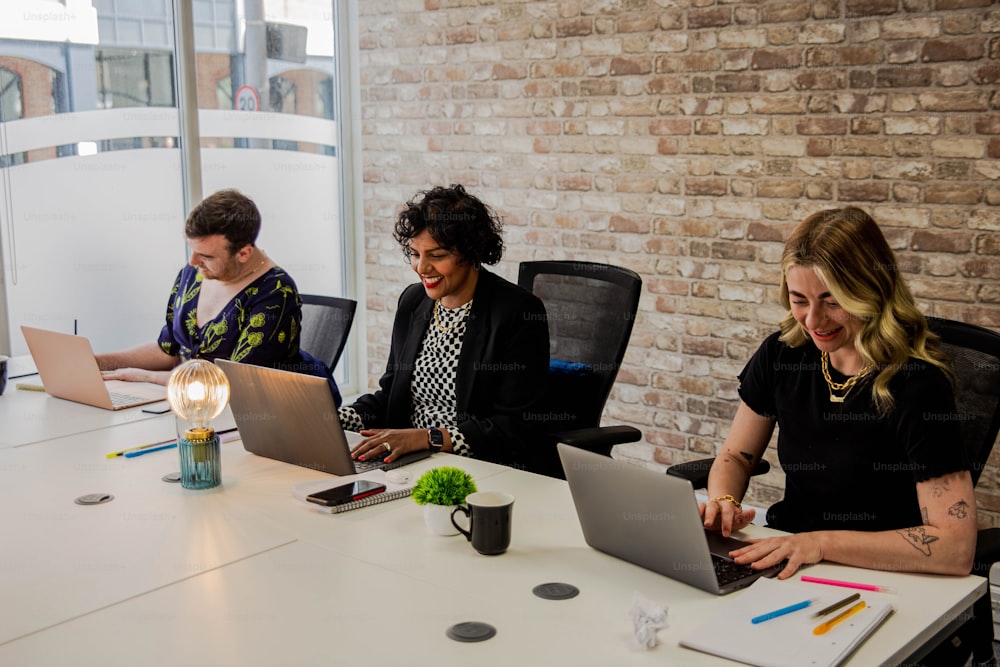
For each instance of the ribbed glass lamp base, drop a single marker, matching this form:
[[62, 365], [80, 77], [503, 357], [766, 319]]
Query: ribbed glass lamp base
[[201, 463]]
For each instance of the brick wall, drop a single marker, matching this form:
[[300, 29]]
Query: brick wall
[[684, 139]]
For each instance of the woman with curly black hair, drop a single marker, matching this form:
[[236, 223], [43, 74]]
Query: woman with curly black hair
[[470, 351]]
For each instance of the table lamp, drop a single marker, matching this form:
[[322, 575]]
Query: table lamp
[[198, 391]]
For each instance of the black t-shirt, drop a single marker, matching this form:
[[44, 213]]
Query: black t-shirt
[[845, 466]]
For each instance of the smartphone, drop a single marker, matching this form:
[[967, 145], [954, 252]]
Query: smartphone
[[346, 493]]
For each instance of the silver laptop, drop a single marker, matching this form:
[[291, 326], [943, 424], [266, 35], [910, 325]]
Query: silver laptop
[[69, 370], [652, 520], [291, 417]]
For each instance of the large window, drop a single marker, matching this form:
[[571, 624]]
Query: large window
[[131, 78], [93, 181]]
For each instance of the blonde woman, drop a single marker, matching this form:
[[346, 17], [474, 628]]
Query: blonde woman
[[863, 402]]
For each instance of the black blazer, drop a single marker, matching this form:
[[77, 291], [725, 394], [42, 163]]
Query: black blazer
[[501, 376]]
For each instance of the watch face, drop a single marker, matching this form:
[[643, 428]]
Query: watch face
[[435, 437]]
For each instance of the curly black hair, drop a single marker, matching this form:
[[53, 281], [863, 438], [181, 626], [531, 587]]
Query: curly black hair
[[456, 220]]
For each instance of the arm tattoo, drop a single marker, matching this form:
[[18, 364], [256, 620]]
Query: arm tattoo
[[959, 510], [919, 539], [938, 487]]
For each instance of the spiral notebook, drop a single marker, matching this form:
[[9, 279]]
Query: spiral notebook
[[788, 640], [392, 491]]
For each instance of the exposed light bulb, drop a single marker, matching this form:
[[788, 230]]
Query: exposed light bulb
[[198, 391]]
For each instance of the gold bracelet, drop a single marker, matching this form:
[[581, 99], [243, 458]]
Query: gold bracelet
[[730, 498]]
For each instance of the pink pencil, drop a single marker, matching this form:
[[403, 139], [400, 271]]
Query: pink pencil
[[845, 584]]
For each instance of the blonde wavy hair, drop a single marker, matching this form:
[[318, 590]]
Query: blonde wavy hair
[[848, 252]]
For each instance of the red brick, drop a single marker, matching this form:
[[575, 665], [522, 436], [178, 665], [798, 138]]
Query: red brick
[[737, 83], [819, 147], [859, 55], [780, 12], [703, 347], [927, 241], [988, 244], [904, 77], [953, 49], [716, 17], [953, 193], [502, 71], [630, 66], [776, 59], [466, 35], [780, 189], [714, 187], [863, 191], [820, 80], [580, 27], [598, 87], [579, 182], [758, 231], [628, 225], [732, 250], [859, 8], [948, 5], [812, 125], [989, 73]]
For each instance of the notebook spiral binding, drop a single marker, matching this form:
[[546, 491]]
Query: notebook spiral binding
[[385, 496]]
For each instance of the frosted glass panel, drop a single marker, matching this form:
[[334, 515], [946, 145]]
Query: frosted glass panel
[[95, 243], [297, 197]]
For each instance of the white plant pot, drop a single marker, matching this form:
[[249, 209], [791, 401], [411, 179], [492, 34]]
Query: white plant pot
[[438, 519]]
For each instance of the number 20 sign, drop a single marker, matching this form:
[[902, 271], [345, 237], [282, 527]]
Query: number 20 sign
[[246, 99]]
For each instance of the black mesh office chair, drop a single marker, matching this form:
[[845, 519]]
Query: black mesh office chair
[[591, 308], [974, 353], [326, 323]]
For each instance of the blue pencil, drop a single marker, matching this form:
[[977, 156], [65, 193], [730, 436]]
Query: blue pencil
[[140, 452], [781, 612]]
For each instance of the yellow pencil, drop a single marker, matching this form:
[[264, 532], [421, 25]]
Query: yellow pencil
[[29, 387], [823, 628], [139, 447]]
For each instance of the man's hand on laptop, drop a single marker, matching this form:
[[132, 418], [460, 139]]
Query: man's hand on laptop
[[137, 375]]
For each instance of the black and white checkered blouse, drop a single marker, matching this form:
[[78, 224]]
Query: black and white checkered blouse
[[435, 400]]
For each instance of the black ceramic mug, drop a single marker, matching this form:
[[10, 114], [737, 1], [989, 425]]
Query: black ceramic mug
[[489, 515]]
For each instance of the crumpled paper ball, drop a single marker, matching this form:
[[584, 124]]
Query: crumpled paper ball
[[647, 619]]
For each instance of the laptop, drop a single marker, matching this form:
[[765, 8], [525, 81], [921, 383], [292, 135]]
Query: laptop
[[69, 370], [291, 417], [652, 520]]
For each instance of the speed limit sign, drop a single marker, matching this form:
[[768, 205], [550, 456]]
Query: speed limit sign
[[246, 99]]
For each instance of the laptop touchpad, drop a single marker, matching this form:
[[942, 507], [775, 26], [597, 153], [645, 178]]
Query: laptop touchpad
[[721, 546]]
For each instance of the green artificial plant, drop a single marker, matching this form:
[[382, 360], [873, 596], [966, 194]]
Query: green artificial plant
[[444, 485]]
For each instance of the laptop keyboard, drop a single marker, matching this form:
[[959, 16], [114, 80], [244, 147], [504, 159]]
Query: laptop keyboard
[[405, 459], [726, 571], [118, 399]]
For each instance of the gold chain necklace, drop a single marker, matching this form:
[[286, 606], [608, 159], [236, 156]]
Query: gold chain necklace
[[844, 386], [253, 270], [437, 319]]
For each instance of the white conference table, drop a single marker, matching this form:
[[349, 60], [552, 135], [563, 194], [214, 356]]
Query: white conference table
[[32, 416], [247, 575]]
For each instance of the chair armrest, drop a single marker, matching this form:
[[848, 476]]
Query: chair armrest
[[599, 439], [696, 471], [987, 550]]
